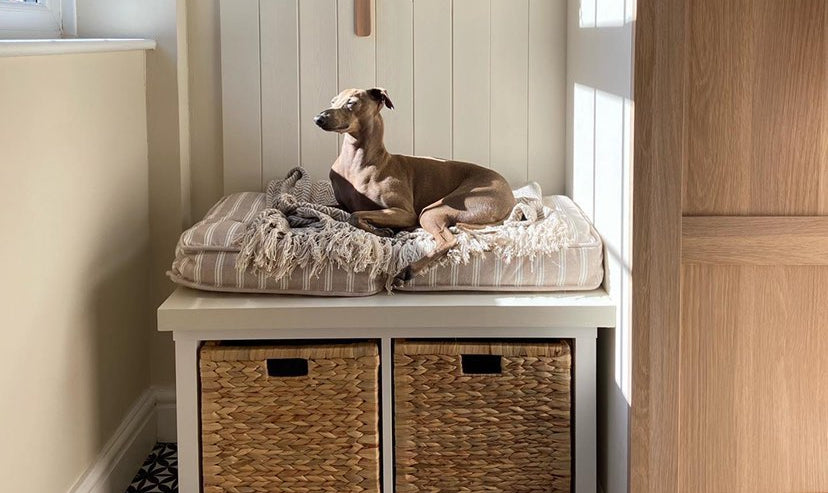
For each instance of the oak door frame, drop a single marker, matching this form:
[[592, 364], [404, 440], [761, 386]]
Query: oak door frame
[[660, 154]]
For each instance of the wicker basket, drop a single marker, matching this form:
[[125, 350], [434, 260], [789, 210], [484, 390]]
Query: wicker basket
[[482, 417], [290, 418]]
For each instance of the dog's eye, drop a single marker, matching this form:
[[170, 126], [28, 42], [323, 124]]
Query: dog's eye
[[350, 105]]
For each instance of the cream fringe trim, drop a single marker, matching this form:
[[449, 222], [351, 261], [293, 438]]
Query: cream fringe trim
[[302, 227]]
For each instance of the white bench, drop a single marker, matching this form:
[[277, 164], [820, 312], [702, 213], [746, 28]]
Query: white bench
[[196, 316]]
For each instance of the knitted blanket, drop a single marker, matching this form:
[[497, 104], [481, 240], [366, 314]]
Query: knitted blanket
[[302, 227]]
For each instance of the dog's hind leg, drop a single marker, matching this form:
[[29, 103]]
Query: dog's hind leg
[[436, 220], [382, 222]]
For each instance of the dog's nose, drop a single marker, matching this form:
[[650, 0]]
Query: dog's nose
[[320, 119]]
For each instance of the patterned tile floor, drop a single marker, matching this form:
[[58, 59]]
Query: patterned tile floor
[[159, 474]]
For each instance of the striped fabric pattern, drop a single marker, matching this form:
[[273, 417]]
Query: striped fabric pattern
[[578, 267], [206, 259]]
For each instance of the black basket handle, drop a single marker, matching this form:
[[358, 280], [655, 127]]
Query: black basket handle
[[287, 367], [481, 364]]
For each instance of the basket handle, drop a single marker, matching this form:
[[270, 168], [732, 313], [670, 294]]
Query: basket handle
[[481, 364], [287, 367]]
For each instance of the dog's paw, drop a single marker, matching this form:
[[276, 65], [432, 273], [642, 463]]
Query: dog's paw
[[384, 232], [354, 221], [405, 275]]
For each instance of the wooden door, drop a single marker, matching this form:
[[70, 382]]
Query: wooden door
[[730, 262]]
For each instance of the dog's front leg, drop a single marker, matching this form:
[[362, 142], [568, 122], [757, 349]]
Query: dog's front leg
[[383, 222], [435, 220]]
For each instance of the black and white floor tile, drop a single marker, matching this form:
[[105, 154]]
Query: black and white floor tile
[[159, 474]]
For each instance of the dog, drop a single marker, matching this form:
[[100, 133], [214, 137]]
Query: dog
[[391, 192]]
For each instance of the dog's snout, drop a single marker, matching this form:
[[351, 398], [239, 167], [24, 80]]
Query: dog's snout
[[321, 119]]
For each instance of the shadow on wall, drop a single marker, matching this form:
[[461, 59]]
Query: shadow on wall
[[600, 48]]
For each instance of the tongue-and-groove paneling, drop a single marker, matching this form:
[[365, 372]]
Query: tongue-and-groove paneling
[[475, 80]]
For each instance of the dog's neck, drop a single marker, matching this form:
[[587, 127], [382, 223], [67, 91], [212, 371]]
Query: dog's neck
[[364, 147]]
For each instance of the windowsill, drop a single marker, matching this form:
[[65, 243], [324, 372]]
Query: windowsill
[[31, 47]]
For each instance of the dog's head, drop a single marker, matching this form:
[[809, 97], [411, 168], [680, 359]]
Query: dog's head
[[352, 108]]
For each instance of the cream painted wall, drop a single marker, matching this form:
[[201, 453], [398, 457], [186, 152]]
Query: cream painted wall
[[184, 126], [75, 219], [168, 158]]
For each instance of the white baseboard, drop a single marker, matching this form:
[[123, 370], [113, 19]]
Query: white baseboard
[[149, 420]]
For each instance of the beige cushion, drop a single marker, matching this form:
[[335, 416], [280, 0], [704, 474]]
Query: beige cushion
[[577, 267], [206, 259]]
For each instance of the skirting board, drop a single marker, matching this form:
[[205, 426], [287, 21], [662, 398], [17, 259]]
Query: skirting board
[[149, 420]]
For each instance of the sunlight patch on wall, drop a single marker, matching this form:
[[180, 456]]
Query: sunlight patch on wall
[[583, 153], [602, 164], [587, 13], [625, 315], [629, 11], [609, 13], [606, 13]]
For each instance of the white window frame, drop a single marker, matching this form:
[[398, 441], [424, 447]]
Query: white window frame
[[48, 19]]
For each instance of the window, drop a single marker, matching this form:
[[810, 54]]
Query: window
[[37, 18]]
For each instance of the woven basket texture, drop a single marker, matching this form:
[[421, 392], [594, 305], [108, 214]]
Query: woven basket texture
[[299, 434], [508, 432]]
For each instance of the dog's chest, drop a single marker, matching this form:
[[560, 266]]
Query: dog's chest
[[356, 193]]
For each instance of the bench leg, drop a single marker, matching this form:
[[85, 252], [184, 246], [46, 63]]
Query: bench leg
[[586, 421], [186, 407]]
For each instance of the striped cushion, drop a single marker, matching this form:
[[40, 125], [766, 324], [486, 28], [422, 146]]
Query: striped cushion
[[574, 268], [206, 259]]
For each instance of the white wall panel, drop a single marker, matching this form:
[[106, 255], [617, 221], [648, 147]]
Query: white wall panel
[[280, 87], [583, 144], [318, 77], [395, 70], [472, 81], [608, 171], [432, 78], [547, 94], [241, 101], [509, 97], [357, 55]]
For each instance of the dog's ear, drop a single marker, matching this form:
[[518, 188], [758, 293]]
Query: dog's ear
[[381, 95]]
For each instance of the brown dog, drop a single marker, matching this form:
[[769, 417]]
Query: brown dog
[[387, 192]]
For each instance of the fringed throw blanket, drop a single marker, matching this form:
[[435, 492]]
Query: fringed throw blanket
[[302, 227]]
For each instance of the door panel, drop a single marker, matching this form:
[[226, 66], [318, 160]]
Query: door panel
[[754, 380], [757, 89]]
